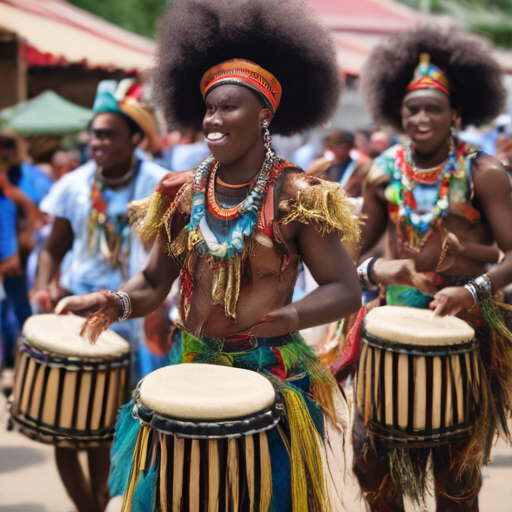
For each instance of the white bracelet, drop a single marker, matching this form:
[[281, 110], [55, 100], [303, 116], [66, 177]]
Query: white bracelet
[[126, 305]]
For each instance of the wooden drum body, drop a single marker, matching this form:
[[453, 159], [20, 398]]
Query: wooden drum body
[[209, 426], [67, 392], [418, 379]]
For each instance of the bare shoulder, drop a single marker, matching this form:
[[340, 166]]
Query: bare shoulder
[[489, 175]]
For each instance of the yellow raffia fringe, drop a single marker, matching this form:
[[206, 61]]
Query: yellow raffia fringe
[[323, 385], [325, 205], [309, 490], [148, 215], [142, 438], [266, 474]]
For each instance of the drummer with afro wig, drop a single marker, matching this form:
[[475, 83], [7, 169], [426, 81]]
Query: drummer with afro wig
[[447, 210], [235, 229]]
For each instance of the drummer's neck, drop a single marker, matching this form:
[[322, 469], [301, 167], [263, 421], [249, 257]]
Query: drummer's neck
[[117, 172]]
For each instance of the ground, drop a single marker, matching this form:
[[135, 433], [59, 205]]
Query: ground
[[29, 481]]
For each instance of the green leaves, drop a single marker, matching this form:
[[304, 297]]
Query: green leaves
[[137, 15]]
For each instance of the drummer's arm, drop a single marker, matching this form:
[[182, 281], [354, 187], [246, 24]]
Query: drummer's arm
[[57, 245], [338, 294], [493, 191], [149, 288], [494, 194], [375, 213]]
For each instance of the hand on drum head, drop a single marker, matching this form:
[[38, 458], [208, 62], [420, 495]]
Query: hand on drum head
[[451, 301], [402, 272], [102, 309]]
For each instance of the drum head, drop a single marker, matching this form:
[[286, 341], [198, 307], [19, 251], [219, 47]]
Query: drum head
[[60, 334], [413, 326], [206, 392]]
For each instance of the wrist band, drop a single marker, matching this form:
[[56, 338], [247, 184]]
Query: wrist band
[[364, 271], [370, 271], [126, 305], [480, 288]]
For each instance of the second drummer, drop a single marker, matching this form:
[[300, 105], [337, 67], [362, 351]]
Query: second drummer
[[236, 228], [445, 207]]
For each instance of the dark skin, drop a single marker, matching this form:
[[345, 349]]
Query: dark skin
[[237, 114], [112, 148], [427, 117]]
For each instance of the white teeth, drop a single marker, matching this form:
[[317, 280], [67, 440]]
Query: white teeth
[[215, 136], [423, 128]]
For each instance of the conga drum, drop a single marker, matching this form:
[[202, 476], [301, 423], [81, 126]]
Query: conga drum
[[418, 379], [67, 391], [206, 425]]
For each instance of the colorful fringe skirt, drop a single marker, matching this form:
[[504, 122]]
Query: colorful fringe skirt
[[306, 450], [492, 322]]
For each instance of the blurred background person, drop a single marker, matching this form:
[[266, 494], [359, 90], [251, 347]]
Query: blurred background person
[[379, 142], [89, 207], [185, 153], [25, 185], [9, 259], [339, 165]]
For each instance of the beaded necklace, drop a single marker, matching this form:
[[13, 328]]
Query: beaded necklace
[[225, 258], [413, 228], [245, 213], [109, 236]]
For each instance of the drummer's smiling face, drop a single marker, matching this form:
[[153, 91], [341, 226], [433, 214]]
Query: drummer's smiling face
[[232, 126], [427, 118]]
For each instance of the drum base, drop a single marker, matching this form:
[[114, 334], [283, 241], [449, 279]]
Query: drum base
[[399, 439], [48, 436]]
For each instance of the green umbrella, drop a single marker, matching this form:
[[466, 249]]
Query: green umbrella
[[46, 114]]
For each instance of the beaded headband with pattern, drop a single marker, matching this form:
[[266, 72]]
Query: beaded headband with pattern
[[428, 76], [246, 73]]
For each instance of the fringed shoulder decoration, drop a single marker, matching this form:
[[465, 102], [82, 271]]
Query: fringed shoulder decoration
[[382, 168], [323, 204], [149, 215]]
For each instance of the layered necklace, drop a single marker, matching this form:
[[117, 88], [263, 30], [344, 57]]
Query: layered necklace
[[225, 257], [110, 236], [414, 228]]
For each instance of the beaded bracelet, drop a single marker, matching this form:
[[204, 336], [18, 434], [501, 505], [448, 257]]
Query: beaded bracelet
[[480, 288], [126, 305]]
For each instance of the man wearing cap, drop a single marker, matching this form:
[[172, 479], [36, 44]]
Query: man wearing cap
[[89, 206]]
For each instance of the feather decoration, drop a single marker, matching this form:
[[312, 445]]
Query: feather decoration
[[123, 449]]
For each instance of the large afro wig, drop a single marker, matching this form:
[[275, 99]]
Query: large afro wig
[[475, 77], [284, 37]]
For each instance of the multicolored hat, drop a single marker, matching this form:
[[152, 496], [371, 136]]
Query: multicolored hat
[[246, 73], [125, 99], [428, 76]]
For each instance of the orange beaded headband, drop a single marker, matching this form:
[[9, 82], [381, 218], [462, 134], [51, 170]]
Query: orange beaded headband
[[246, 73]]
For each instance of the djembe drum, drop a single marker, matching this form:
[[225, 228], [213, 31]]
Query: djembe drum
[[67, 391], [418, 380], [207, 426]]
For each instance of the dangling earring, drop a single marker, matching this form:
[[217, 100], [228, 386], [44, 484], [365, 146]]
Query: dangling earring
[[451, 139], [267, 138]]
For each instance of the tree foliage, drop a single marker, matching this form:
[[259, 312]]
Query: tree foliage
[[136, 15], [490, 18]]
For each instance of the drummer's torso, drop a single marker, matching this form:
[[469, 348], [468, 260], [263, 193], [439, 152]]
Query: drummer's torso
[[428, 257], [463, 217], [268, 276]]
